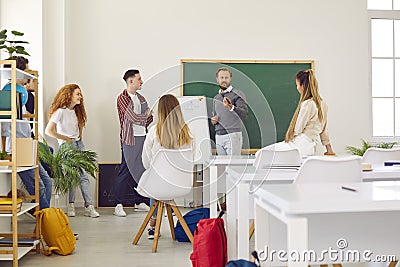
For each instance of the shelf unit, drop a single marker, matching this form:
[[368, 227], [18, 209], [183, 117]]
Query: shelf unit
[[15, 251]]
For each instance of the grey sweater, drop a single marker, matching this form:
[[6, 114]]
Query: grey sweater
[[230, 121]]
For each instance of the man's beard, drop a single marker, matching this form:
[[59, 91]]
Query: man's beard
[[223, 87]]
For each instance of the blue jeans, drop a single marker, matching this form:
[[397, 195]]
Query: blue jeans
[[84, 179], [45, 185]]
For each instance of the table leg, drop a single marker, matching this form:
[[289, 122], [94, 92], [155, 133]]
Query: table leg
[[213, 187], [243, 220], [231, 203], [261, 235], [297, 239]]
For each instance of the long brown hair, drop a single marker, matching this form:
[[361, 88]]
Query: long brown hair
[[63, 100], [172, 131], [306, 78]]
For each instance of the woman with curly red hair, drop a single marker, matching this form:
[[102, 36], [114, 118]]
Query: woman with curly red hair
[[67, 117]]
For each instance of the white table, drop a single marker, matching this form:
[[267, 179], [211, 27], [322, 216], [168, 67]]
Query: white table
[[210, 186], [241, 179], [317, 216]]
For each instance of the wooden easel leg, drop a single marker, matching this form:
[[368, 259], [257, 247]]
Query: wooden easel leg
[[182, 221], [251, 230], [170, 219], [145, 222], [158, 225]]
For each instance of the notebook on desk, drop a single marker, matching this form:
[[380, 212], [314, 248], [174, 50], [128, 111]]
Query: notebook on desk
[[392, 163]]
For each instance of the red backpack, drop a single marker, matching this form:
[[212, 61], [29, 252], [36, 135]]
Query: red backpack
[[209, 245]]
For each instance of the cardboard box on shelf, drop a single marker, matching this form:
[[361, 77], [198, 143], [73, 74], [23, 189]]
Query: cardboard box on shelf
[[26, 151]]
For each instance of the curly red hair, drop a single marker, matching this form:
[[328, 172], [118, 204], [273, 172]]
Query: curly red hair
[[63, 100]]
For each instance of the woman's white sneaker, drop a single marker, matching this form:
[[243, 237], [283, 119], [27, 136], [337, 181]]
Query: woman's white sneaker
[[119, 211], [91, 212], [71, 210]]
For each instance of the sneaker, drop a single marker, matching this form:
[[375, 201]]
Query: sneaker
[[119, 211], [71, 210], [141, 207], [151, 231], [91, 212]]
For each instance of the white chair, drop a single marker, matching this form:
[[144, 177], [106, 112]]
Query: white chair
[[330, 169], [266, 158], [170, 176], [377, 156]]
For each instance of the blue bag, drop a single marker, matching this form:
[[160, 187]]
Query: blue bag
[[191, 218], [241, 263], [245, 263]]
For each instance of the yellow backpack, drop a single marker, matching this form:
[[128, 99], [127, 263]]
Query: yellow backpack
[[54, 229]]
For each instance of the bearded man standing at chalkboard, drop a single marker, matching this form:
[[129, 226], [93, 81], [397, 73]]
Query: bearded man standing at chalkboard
[[229, 110]]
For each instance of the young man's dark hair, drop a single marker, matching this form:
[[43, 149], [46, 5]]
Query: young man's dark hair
[[129, 73]]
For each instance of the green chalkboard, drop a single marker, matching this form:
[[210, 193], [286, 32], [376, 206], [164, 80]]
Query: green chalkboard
[[269, 87]]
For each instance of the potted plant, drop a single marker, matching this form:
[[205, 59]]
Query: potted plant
[[11, 46], [67, 164], [365, 145], [4, 158]]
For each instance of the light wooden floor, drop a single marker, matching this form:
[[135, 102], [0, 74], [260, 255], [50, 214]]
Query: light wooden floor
[[107, 241]]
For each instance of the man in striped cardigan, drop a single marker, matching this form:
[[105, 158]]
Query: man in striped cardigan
[[134, 117]]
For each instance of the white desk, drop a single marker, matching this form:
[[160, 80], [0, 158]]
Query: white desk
[[210, 186], [316, 216], [244, 180], [385, 173]]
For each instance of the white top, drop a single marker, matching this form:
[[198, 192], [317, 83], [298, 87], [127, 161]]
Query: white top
[[309, 124], [138, 130], [151, 146], [67, 123]]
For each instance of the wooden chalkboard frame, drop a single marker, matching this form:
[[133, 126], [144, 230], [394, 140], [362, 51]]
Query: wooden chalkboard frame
[[261, 115]]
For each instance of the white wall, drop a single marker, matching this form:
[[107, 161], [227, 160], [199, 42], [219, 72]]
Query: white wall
[[101, 41], [118, 35]]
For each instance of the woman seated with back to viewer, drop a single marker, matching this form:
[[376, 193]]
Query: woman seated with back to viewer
[[170, 132], [309, 120]]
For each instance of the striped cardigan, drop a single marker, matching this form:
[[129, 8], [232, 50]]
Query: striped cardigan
[[127, 116]]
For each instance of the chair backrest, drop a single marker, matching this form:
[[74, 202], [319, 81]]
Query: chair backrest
[[328, 169], [378, 156], [266, 158], [170, 175]]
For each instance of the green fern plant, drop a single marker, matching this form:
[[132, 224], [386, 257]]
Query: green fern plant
[[3, 155], [12, 46], [365, 145], [67, 165]]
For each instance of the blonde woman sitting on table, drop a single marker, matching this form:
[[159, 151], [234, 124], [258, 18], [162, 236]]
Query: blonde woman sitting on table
[[309, 120], [170, 132]]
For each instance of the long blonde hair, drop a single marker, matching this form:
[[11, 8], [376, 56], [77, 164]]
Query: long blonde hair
[[171, 129], [63, 99], [306, 78]]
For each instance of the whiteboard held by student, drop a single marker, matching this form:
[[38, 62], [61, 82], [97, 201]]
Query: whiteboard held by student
[[309, 120], [229, 110]]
